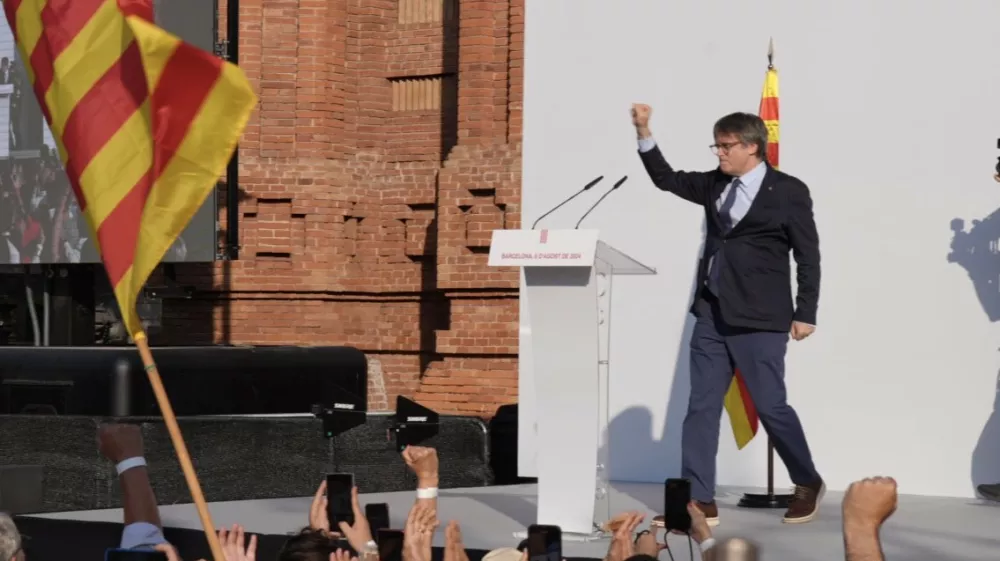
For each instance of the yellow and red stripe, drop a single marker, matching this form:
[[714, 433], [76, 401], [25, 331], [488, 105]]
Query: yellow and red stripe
[[741, 411], [145, 124], [769, 113], [739, 405]]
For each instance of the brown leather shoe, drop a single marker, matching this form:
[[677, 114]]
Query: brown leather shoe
[[805, 504], [990, 492], [711, 512]]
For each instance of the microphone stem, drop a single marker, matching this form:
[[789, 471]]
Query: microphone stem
[[591, 209], [575, 195], [557, 207]]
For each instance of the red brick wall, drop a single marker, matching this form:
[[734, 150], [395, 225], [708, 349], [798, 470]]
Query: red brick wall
[[365, 218]]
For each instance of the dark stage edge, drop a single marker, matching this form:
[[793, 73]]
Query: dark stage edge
[[59, 540]]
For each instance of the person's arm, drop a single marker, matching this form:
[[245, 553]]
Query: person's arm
[[867, 505], [861, 543], [423, 461], [122, 444], [804, 240], [690, 186]]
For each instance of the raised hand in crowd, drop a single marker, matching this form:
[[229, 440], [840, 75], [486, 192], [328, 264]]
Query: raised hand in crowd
[[701, 532], [647, 544], [122, 444], [423, 461], [341, 555], [318, 518], [118, 442], [360, 534], [418, 534], [623, 545], [454, 547], [867, 505], [169, 551], [235, 546]]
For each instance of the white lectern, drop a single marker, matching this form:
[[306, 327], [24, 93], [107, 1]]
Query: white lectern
[[567, 280]]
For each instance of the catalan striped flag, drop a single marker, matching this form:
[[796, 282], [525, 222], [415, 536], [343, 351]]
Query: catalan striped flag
[[145, 124], [769, 113], [739, 406]]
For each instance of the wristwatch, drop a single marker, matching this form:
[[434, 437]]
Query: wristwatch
[[371, 548]]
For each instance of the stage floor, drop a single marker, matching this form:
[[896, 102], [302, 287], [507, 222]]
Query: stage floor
[[923, 528]]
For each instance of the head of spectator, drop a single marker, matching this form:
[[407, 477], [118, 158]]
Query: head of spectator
[[309, 545], [10, 540]]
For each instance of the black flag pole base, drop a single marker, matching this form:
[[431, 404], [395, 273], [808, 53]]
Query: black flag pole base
[[769, 499]]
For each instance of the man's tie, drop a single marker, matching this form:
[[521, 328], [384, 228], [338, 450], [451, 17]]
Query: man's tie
[[725, 211], [725, 216]]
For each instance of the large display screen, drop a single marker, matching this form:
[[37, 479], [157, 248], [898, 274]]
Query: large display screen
[[40, 220]]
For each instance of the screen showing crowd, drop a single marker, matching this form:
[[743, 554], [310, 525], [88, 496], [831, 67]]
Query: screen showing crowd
[[40, 220]]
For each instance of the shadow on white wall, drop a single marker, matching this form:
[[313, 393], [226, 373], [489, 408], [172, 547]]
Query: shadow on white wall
[[977, 250]]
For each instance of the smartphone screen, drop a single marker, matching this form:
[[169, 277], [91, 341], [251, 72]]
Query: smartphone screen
[[390, 545], [378, 516], [133, 555], [338, 499], [544, 543], [676, 496]]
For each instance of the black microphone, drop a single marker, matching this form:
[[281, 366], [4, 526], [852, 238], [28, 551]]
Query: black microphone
[[591, 209], [575, 195]]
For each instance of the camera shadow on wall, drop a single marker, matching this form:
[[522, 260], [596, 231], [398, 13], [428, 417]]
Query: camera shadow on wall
[[976, 248]]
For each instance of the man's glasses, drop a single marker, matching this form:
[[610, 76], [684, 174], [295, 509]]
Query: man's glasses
[[723, 148]]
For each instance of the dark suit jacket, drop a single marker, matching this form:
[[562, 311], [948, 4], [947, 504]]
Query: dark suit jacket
[[755, 287]]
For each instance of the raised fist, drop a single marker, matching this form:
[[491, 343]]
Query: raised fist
[[870, 502], [640, 115], [422, 460], [119, 442]]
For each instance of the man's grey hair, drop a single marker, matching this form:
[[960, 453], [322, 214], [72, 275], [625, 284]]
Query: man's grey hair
[[749, 128], [10, 538], [733, 549]]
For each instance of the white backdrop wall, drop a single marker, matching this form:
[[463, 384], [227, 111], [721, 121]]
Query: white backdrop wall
[[890, 113]]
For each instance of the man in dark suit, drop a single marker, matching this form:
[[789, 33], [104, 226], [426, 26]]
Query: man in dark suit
[[743, 304]]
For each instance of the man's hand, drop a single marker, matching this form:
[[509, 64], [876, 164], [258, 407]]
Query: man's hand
[[170, 552], [360, 533], [119, 442], [342, 555], [318, 519], [640, 119], [869, 502], [232, 542], [622, 545], [700, 530], [646, 543], [454, 547], [801, 330], [424, 463], [419, 533]]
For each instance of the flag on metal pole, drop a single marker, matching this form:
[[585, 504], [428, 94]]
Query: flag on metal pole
[[769, 110], [739, 405]]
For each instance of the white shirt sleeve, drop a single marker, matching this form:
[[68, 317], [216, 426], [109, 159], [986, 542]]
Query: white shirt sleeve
[[646, 144]]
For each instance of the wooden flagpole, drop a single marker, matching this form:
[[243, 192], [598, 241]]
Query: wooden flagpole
[[142, 343]]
